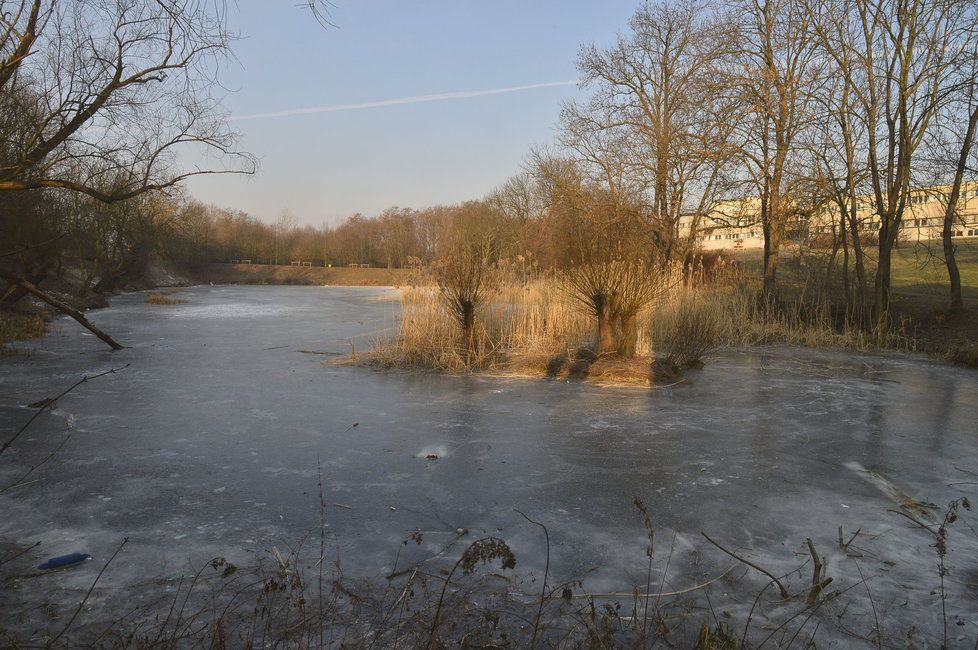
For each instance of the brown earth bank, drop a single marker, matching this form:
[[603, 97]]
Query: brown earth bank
[[304, 275]]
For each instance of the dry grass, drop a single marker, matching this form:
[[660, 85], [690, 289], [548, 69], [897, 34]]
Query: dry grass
[[534, 329], [530, 329], [965, 354], [801, 319], [525, 329], [19, 327], [163, 299]]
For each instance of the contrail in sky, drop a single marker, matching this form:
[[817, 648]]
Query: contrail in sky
[[463, 94]]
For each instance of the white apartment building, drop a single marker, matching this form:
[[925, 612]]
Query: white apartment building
[[735, 224]]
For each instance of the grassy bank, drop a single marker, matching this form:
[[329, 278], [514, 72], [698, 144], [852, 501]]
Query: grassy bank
[[303, 275], [919, 293]]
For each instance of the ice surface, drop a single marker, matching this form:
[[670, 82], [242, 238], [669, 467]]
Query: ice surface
[[208, 444]]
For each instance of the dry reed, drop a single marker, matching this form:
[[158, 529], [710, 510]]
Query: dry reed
[[533, 328], [163, 299]]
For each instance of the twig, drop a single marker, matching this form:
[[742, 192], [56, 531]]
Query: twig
[[844, 546], [822, 601], [24, 249], [54, 400], [819, 582], [33, 468], [872, 603], [87, 595], [620, 594], [750, 614], [665, 575], [14, 556], [546, 572], [784, 592], [961, 469], [914, 520]]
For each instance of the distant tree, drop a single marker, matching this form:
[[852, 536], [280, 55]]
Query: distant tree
[[285, 225]]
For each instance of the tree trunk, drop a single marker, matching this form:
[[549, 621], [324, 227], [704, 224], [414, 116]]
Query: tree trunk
[[836, 245], [857, 251], [772, 247], [952, 204], [846, 282], [468, 325], [606, 335], [628, 341], [64, 308], [888, 237], [953, 274]]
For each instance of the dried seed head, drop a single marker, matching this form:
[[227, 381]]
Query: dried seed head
[[486, 550]]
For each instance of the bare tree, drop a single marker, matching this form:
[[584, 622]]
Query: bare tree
[[519, 198], [655, 129], [774, 78], [606, 265], [840, 145], [464, 271], [285, 225], [957, 126], [903, 52], [99, 97]]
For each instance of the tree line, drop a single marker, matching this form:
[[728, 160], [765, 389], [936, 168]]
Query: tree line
[[800, 106]]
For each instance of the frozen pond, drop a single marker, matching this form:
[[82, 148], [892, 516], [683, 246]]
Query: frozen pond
[[207, 445]]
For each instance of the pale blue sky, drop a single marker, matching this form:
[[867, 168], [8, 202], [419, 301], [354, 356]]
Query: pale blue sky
[[327, 165]]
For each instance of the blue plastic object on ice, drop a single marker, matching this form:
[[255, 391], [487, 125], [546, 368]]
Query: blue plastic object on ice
[[65, 560]]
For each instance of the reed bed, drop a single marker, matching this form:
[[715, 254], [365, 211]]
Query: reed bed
[[533, 328], [161, 298]]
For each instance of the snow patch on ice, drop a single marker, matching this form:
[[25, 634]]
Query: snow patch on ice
[[227, 310]]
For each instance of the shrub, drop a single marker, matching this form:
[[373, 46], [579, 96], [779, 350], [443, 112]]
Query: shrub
[[964, 354], [613, 293], [688, 326]]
